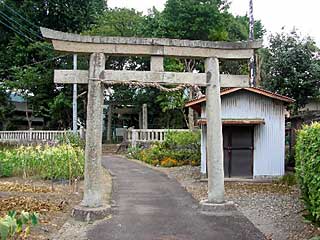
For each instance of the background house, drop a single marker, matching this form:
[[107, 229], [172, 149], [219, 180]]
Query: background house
[[253, 132], [22, 116]]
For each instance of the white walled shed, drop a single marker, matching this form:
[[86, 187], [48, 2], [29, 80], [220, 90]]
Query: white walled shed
[[253, 132]]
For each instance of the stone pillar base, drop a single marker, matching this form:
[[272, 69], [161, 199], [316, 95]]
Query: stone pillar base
[[86, 214], [221, 209]]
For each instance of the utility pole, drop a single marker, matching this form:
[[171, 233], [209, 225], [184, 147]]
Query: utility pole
[[251, 38], [75, 97]]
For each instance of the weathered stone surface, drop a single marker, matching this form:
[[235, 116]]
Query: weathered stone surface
[[68, 42], [156, 64], [93, 180], [214, 133], [86, 214], [226, 208], [81, 77], [56, 35]]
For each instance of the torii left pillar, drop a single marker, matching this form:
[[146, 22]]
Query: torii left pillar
[[94, 205]]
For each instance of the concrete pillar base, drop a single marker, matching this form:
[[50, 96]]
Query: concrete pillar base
[[203, 176], [220, 209], [85, 214]]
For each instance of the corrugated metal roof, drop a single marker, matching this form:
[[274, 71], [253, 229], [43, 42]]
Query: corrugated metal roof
[[259, 91]]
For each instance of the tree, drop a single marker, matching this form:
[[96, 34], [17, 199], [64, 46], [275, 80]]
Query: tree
[[201, 20], [291, 68], [5, 108], [27, 61]]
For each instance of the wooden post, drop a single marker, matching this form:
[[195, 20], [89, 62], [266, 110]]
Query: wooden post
[[93, 196], [214, 133]]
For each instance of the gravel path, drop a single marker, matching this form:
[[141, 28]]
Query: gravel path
[[274, 208]]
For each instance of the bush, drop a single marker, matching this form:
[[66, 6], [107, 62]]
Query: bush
[[179, 148], [308, 168], [47, 162], [72, 139], [169, 162]]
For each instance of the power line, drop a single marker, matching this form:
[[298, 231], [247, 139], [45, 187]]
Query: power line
[[35, 63], [16, 31], [18, 14], [19, 31], [13, 22]]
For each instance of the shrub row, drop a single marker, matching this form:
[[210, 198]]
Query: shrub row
[[308, 168], [46, 162]]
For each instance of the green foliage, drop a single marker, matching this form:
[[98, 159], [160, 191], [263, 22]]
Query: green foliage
[[72, 139], [27, 61], [315, 238], [173, 103], [14, 224], [47, 162], [60, 109], [290, 67], [179, 148], [308, 168], [5, 107], [288, 179], [118, 22]]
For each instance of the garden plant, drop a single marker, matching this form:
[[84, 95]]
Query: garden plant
[[179, 148], [13, 225], [47, 162]]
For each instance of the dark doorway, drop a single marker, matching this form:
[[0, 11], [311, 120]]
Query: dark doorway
[[238, 151]]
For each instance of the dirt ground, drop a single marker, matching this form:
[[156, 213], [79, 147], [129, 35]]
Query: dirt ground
[[276, 209], [53, 204]]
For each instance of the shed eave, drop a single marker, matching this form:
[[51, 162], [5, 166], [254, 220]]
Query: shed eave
[[258, 121]]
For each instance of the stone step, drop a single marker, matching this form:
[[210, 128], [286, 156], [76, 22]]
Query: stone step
[[110, 148]]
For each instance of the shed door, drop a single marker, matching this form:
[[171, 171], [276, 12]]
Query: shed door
[[238, 151]]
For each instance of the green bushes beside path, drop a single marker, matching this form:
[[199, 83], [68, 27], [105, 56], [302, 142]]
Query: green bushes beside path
[[179, 148], [308, 168]]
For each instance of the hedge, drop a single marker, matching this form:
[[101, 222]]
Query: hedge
[[308, 168]]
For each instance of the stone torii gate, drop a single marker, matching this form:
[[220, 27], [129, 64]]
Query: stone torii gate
[[157, 49]]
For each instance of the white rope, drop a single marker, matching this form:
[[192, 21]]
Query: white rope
[[132, 84]]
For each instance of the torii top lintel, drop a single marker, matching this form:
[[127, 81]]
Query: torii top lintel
[[68, 42]]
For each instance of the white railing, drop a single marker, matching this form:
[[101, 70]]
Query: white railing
[[31, 136], [135, 136]]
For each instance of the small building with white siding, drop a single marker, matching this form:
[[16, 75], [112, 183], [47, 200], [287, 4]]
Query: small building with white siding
[[253, 132]]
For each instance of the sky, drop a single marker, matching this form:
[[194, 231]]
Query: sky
[[274, 14]]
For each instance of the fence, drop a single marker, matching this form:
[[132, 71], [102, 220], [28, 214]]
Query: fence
[[136, 136], [30, 136]]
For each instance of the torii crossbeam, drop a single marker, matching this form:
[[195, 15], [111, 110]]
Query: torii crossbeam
[[157, 49]]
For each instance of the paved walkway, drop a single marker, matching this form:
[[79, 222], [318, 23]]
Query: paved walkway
[[150, 206]]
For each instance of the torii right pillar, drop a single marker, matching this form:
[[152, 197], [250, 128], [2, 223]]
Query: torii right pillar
[[216, 201], [214, 133]]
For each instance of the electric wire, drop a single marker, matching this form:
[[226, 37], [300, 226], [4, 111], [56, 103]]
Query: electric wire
[[16, 31], [13, 22], [35, 63], [18, 14]]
